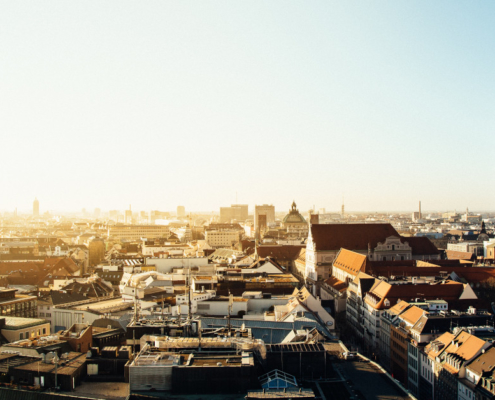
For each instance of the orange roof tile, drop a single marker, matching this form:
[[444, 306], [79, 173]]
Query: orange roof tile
[[336, 284], [350, 261], [412, 315], [399, 307]]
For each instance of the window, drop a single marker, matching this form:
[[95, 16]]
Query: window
[[21, 335], [44, 331]]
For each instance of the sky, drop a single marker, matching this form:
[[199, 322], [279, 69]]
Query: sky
[[159, 103]]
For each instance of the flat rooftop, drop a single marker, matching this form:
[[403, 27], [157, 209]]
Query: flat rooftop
[[14, 323], [161, 359]]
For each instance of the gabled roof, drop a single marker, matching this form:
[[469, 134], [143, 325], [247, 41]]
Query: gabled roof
[[421, 245], [281, 252], [336, 284], [483, 363], [399, 307], [57, 297], [350, 236], [412, 315], [261, 261], [435, 347], [61, 264], [350, 262], [465, 345], [365, 281], [382, 291]]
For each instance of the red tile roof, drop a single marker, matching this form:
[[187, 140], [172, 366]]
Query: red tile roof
[[350, 236], [27, 267], [281, 252], [421, 245], [393, 293]]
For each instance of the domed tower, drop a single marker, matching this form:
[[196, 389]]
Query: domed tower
[[294, 223]]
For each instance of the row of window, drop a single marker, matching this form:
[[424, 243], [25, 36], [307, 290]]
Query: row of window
[[25, 335]]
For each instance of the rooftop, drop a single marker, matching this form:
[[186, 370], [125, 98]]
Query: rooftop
[[14, 323]]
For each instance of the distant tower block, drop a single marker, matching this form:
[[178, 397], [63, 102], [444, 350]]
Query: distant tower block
[[268, 211], [420, 210], [36, 208], [262, 224], [181, 211], [128, 216], [314, 219]]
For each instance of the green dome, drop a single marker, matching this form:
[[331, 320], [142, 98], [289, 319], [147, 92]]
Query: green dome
[[294, 217]]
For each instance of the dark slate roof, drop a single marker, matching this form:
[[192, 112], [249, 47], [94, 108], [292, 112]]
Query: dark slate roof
[[58, 298]]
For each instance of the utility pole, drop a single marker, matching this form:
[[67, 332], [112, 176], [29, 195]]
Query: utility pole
[[56, 359]]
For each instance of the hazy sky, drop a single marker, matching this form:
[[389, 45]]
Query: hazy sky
[[161, 103]]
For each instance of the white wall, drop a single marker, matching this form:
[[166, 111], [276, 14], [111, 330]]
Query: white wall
[[165, 265]]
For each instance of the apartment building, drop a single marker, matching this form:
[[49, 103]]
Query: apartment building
[[136, 232]]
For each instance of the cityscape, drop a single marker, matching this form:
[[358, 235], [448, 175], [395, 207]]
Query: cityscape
[[248, 302], [205, 200]]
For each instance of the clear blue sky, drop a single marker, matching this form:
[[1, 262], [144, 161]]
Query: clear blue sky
[[161, 103]]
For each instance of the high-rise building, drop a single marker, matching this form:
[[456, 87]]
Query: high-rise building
[[128, 216], [181, 211], [265, 209], [97, 213], [238, 212], [36, 208]]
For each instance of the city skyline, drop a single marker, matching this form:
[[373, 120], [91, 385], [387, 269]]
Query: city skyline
[[278, 210], [106, 104]]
